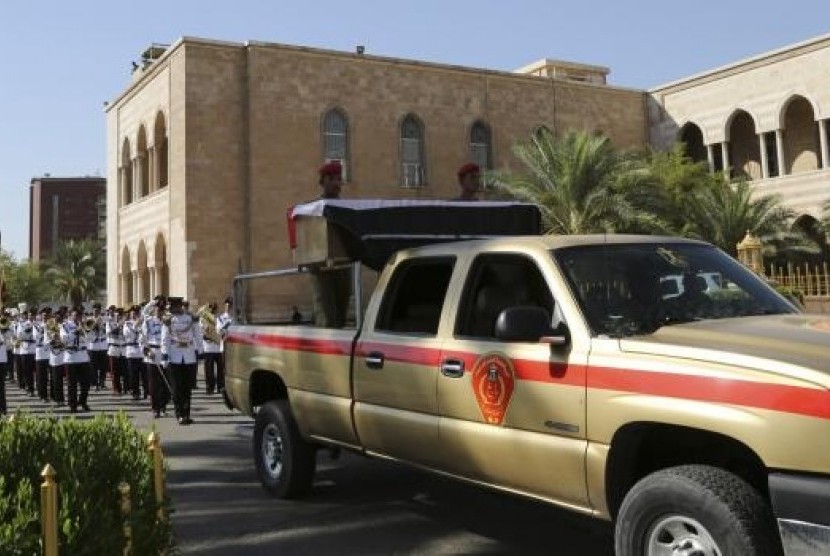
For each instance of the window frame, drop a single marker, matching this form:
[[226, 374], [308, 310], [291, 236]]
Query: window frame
[[420, 163], [326, 132]]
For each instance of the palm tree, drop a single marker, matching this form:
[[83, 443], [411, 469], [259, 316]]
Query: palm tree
[[582, 185], [723, 215], [77, 270]]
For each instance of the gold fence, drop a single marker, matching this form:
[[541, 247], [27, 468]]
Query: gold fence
[[49, 500], [811, 280]]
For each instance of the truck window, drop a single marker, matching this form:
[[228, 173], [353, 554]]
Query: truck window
[[496, 282], [415, 296]]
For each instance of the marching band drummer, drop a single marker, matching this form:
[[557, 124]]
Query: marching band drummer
[[179, 338], [77, 360], [151, 346], [56, 356]]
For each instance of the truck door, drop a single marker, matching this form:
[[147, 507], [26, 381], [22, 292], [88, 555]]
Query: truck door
[[512, 413], [396, 362]]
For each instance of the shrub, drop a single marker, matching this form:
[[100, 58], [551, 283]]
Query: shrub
[[91, 458]]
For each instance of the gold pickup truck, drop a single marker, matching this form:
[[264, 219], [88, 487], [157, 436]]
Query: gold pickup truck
[[695, 415]]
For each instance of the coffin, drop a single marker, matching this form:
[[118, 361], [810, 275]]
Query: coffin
[[370, 230]]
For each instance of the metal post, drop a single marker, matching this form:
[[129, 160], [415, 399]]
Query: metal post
[[49, 511], [126, 509], [154, 446]]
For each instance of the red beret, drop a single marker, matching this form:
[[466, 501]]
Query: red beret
[[333, 168], [469, 168]]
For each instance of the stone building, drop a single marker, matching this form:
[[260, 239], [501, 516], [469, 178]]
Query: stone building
[[213, 141], [764, 119]]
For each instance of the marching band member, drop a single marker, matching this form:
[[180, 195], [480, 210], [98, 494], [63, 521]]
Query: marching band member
[[115, 349], [210, 345], [26, 337], [97, 348], [6, 323], [132, 352], [77, 360], [42, 355], [57, 368], [17, 346], [179, 338], [151, 344], [4, 363], [223, 324]]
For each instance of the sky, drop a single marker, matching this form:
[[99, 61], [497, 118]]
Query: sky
[[60, 60]]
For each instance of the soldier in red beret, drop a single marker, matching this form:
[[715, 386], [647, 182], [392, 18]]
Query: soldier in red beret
[[331, 179], [469, 180]]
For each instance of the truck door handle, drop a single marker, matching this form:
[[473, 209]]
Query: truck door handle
[[452, 368], [374, 360]]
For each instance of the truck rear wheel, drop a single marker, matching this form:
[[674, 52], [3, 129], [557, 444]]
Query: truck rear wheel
[[284, 460], [695, 510]]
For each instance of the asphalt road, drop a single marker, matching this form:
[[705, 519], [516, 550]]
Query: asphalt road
[[357, 506]]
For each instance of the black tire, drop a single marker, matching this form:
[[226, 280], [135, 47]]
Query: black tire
[[284, 460], [695, 504]]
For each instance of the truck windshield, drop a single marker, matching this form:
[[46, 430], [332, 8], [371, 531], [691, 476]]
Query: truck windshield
[[632, 289]]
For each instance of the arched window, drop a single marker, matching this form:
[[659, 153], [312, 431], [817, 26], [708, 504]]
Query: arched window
[[413, 173], [481, 151], [692, 136], [125, 174], [801, 137], [160, 150], [336, 139], [143, 159]]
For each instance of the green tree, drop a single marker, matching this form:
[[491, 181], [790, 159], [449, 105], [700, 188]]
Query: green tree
[[722, 216], [582, 185], [27, 284], [679, 177], [77, 270]]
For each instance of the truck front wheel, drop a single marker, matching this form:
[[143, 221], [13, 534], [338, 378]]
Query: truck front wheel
[[284, 460], [696, 510]]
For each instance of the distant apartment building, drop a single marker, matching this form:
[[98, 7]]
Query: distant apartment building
[[67, 208]]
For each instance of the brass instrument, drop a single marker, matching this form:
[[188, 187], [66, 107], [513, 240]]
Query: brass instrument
[[208, 321], [5, 323], [54, 331], [90, 324]]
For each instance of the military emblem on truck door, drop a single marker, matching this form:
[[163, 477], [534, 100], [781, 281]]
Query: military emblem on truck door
[[493, 382]]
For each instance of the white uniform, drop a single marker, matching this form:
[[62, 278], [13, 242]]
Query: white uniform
[[74, 341], [130, 332], [115, 342], [4, 355], [223, 323], [180, 338], [26, 337], [56, 351], [97, 339], [208, 346], [151, 340], [41, 343]]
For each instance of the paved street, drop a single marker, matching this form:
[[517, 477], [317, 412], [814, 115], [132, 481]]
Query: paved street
[[358, 505]]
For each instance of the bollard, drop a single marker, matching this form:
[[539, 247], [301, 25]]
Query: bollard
[[49, 511], [126, 508], [154, 446]]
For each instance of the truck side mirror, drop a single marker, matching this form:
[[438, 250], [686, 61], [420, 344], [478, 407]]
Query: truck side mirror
[[527, 323]]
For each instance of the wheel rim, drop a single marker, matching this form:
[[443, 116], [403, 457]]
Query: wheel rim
[[272, 450], [678, 535]]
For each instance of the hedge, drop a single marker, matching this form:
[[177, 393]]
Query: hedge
[[91, 458]]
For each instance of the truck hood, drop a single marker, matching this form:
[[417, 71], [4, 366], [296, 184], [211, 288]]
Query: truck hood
[[790, 345]]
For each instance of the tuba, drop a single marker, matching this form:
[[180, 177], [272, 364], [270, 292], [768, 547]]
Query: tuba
[[208, 321]]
